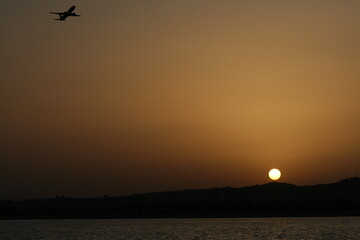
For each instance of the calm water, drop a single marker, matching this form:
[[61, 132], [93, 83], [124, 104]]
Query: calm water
[[273, 228]]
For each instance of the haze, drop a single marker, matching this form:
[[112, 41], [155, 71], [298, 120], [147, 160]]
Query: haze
[[138, 96]]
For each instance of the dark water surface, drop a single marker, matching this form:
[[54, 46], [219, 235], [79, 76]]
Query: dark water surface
[[239, 228]]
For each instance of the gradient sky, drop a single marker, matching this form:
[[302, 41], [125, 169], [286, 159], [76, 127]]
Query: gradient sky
[[152, 95]]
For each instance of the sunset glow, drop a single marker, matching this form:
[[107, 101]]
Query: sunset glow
[[140, 96]]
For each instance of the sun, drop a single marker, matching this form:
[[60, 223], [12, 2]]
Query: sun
[[274, 174]]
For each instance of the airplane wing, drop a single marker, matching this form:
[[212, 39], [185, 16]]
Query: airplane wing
[[58, 13], [75, 15]]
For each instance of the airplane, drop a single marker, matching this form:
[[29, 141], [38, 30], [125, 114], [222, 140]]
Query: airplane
[[64, 15]]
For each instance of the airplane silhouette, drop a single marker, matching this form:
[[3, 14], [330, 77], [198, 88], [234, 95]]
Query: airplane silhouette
[[64, 15]]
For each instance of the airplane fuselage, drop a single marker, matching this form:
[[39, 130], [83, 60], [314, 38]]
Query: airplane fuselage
[[69, 12]]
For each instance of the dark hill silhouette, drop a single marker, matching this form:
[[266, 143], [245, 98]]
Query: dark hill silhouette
[[272, 199]]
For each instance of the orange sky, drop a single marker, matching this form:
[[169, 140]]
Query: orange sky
[[140, 96]]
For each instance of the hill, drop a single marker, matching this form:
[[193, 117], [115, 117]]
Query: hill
[[269, 200]]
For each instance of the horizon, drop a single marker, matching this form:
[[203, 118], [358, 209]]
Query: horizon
[[60, 196], [148, 96]]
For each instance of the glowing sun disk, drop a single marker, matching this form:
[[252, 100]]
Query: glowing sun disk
[[274, 174]]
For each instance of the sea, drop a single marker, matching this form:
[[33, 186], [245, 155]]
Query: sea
[[184, 229]]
